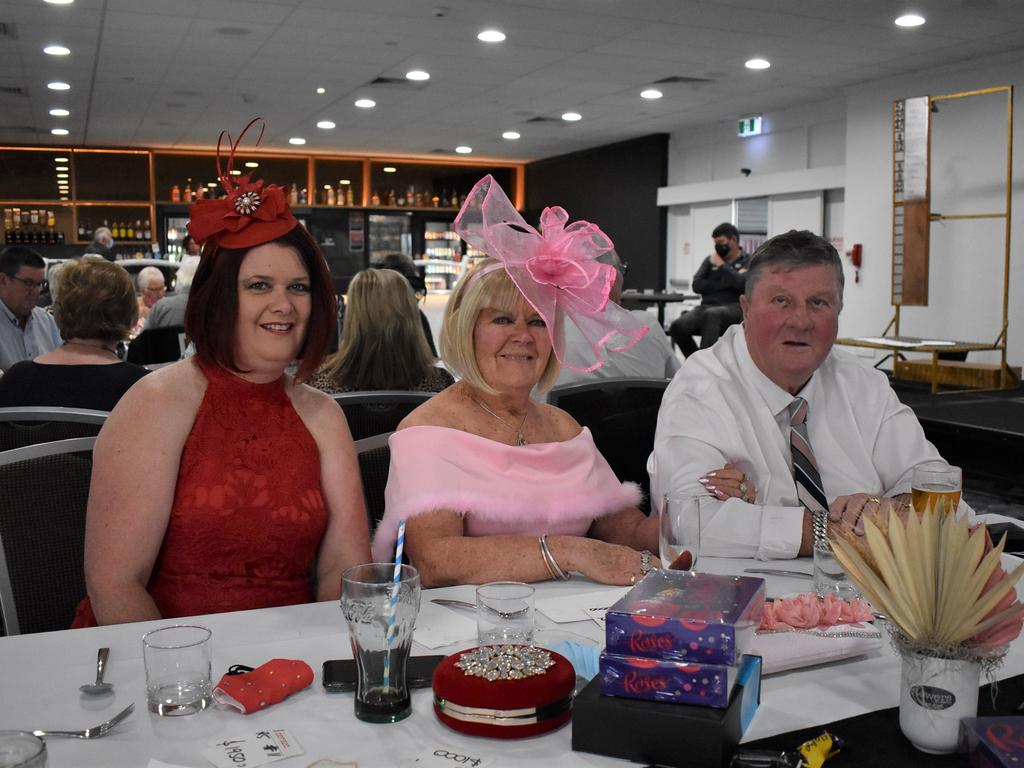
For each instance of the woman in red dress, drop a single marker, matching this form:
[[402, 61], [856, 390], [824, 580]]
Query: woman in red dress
[[220, 480]]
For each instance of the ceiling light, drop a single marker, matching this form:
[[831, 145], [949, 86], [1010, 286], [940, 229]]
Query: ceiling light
[[211, 183], [57, 85], [60, 159], [325, 125], [417, 74], [62, 175], [59, 2], [63, 198], [321, 91], [510, 135], [58, 112], [463, 149], [235, 172], [757, 64], [59, 131], [366, 103], [344, 181], [651, 93], [572, 117], [297, 140], [491, 36], [56, 50], [61, 168], [252, 164], [389, 169], [910, 20]]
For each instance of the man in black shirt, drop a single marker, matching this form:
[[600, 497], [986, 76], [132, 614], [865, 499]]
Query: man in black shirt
[[720, 282]]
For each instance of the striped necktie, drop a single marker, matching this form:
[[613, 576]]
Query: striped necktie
[[809, 489]]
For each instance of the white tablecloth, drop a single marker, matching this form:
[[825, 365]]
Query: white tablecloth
[[40, 675]]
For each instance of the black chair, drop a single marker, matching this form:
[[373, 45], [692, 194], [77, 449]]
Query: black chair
[[374, 461], [29, 425], [622, 415], [157, 345], [42, 533], [374, 413]]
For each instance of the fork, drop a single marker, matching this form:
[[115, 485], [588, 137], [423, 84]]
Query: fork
[[96, 731]]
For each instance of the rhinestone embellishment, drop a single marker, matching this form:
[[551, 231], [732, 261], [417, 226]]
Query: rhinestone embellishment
[[505, 662], [247, 203]]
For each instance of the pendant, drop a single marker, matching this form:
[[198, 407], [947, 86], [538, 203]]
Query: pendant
[[520, 439]]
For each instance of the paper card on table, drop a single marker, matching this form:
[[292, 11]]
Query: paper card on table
[[568, 608], [597, 615], [437, 626], [154, 763], [449, 757], [264, 746]]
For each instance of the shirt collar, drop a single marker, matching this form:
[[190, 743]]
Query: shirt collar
[[775, 397], [11, 317]]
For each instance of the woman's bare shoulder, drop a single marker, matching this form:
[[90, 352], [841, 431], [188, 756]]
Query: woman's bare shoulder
[[178, 387], [564, 425], [439, 411]]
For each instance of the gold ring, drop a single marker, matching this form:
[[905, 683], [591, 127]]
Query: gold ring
[[632, 579], [874, 500]]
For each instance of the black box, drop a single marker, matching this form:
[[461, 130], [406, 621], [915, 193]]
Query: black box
[[679, 735]]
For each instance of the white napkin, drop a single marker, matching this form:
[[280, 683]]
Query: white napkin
[[579, 607], [781, 651], [437, 626]]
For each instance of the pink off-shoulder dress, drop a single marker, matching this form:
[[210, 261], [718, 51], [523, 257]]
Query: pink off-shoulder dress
[[557, 489]]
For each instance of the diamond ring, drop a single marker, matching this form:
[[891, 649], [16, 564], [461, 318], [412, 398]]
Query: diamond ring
[[744, 488]]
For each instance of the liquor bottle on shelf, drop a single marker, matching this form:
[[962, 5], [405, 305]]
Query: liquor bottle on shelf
[[375, 198], [147, 232], [400, 200], [435, 200], [187, 195], [88, 230], [304, 196], [293, 195], [129, 231], [391, 198], [51, 220], [454, 202], [33, 217], [81, 229], [350, 196], [330, 197]]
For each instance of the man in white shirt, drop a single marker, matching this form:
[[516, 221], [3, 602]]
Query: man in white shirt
[[26, 331], [731, 404]]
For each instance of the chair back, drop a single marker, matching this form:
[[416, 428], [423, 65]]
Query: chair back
[[29, 425], [42, 534], [622, 415], [374, 413], [374, 461], [157, 345]]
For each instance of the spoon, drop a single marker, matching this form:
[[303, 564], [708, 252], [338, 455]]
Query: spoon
[[99, 686]]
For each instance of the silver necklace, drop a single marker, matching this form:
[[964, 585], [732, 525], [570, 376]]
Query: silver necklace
[[99, 347], [520, 439]]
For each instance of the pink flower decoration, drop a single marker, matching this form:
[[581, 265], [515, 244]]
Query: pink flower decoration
[[809, 612]]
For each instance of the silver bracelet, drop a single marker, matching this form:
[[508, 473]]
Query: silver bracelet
[[550, 562]]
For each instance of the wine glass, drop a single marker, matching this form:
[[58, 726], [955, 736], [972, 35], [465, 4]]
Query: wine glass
[[680, 524]]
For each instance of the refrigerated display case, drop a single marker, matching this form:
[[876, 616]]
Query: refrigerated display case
[[390, 233]]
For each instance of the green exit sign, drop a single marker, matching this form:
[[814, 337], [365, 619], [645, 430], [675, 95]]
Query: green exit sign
[[750, 126]]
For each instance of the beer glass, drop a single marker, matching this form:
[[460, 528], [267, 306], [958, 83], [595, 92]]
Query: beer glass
[[934, 483]]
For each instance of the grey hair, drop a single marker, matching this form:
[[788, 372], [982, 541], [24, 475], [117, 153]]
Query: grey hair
[[795, 249], [145, 274], [187, 270]]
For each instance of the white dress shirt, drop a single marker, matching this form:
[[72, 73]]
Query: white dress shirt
[[721, 408], [16, 344]]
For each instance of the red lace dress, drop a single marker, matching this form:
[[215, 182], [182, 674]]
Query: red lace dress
[[248, 514]]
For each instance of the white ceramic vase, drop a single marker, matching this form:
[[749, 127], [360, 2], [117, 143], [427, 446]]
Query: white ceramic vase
[[935, 694]]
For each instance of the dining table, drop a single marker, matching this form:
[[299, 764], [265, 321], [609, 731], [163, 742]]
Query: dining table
[[40, 676]]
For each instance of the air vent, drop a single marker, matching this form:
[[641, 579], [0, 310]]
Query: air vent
[[439, 151], [13, 90], [398, 82], [542, 119], [682, 79], [8, 31]]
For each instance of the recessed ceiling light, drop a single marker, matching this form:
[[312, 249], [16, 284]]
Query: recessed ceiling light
[[327, 186], [462, 149], [417, 74], [59, 131], [389, 169], [757, 64], [297, 140], [59, 2], [211, 183], [510, 135], [491, 36], [62, 168], [252, 164], [57, 85], [325, 125], [651, 93], [235, 172], [56, 50], [344, 181], [321, 91], [366, 103], [58, 112], [910, 20], [63, 198], [60, 159], [572, 117], [62, 175]]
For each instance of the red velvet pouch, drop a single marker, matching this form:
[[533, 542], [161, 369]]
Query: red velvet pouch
[[515, 703], [267, 684]]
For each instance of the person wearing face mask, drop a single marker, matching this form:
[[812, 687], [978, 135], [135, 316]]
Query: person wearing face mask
[[720, 282], [102, 243]]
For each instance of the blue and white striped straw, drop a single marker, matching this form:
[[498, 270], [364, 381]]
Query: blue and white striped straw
[[393, 602]]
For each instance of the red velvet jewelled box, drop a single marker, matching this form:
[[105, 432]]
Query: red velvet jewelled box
[[504, 691]]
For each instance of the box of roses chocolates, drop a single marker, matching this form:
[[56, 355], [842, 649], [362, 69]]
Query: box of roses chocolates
[[676, 682], [697, 619]]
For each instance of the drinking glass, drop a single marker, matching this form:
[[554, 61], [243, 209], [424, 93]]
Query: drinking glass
[[178, 669], [829, 574], [680, 530], [936, 482], [504, 613], [20, 749], [371, 601]]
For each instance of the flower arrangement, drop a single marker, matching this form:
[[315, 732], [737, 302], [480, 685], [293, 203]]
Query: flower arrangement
[[808, 611], [939, 581]]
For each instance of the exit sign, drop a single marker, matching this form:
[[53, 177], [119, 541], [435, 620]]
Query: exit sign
[[750, 126]]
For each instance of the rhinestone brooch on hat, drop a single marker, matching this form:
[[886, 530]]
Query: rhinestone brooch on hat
[[247, 203], [505, 662]]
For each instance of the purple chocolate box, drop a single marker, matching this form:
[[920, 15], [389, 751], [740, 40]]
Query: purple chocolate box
[[993, 742], [638, 677], [685, 616]]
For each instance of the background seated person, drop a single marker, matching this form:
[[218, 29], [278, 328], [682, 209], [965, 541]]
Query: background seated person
[[652, 357], [152, 288], [405, 266], [382, 344], [94, 309], [170, 310], [249, 477], [719, 280], [481, 471], [738, 402]]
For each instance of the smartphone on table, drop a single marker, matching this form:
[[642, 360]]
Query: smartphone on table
[[340, 674]]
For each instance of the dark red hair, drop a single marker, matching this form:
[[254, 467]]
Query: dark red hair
[[212, 309]]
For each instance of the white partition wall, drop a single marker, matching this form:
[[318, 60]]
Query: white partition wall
[[802, 210]]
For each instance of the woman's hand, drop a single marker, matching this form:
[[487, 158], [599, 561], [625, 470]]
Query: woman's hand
[[730, 483], [613, 563], [849, 511]]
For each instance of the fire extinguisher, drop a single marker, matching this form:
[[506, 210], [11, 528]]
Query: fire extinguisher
[[855, 255]]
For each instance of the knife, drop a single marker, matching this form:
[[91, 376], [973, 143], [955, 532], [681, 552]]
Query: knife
[[779, 572]]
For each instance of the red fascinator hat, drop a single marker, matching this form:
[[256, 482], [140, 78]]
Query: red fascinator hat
[[253, 213]]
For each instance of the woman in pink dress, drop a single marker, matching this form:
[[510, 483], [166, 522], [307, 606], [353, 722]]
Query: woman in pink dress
[[493, 484]]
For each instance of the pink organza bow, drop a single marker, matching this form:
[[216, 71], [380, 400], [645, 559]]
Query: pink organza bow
[[557, 271]]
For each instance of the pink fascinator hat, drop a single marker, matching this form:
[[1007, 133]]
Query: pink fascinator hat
[[556, 270]]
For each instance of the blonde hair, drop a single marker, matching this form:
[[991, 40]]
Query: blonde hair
[[475, 292], [383, 345]]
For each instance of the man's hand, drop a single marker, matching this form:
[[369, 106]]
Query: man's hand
[[849, 511], [716, 260]]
